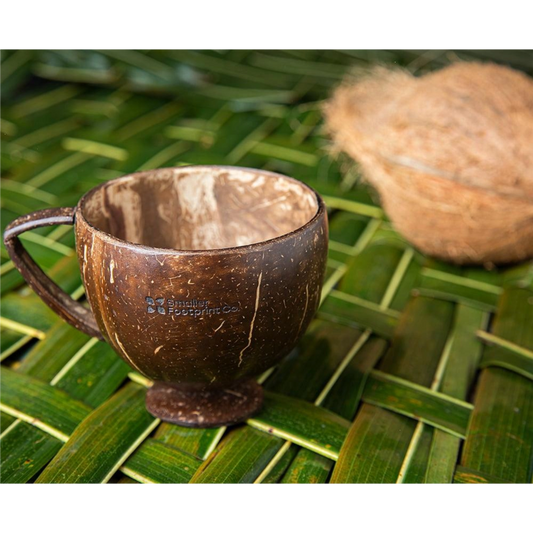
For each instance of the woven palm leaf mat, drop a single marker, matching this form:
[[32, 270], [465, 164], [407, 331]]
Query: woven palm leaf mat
[[412, 371]]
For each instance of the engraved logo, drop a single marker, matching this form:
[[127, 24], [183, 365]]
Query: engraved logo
[[195, 308], [155, 305]]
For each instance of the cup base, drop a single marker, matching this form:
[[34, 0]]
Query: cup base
[[204, 409]]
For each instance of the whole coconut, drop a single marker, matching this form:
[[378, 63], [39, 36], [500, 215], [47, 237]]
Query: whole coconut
[[450, 153]]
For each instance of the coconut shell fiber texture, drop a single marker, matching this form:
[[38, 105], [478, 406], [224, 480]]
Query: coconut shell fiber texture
[[450, 154]]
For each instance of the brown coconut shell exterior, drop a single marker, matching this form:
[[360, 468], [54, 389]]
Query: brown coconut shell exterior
[[450, 153]]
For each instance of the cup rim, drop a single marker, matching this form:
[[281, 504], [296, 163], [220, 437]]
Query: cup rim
[[209, 251]]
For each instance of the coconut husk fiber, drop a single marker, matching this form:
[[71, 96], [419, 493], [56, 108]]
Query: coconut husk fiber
[[450, 154]]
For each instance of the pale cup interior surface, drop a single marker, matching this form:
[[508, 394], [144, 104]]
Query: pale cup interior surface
[[200, 208]]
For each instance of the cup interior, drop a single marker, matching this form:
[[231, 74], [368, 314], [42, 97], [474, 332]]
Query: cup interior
[[200, 208]]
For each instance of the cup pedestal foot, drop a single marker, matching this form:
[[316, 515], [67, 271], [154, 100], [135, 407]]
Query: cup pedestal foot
[[207, 408]]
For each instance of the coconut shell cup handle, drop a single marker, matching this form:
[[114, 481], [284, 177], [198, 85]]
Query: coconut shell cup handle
[[52, 295]]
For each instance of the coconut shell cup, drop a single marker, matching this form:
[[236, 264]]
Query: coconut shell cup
[[200, 278]]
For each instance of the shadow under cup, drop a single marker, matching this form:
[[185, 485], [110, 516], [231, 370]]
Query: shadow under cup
[[201, 278]]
